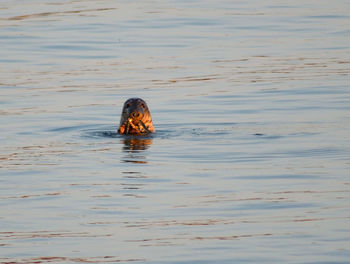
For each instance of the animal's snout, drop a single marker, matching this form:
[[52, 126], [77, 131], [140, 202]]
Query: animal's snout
[[136, 114]]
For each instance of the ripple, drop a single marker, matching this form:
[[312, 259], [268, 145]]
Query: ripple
[[102, 134]]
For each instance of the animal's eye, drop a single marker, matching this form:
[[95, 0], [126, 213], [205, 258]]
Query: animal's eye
[[127, 105], [143, 105]]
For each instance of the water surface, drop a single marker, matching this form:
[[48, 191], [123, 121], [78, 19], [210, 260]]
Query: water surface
[[250, 162]]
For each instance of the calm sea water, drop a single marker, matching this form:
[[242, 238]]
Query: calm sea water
[[250, 162]]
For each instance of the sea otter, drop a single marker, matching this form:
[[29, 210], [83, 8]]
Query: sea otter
[[135, 118]]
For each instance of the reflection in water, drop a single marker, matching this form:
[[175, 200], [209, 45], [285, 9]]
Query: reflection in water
[[133, 146]]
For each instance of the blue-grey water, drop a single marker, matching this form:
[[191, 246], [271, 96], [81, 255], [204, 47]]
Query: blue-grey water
[[251, 159]]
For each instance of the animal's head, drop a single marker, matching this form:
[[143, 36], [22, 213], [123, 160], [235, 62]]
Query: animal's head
[[135, 118]]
